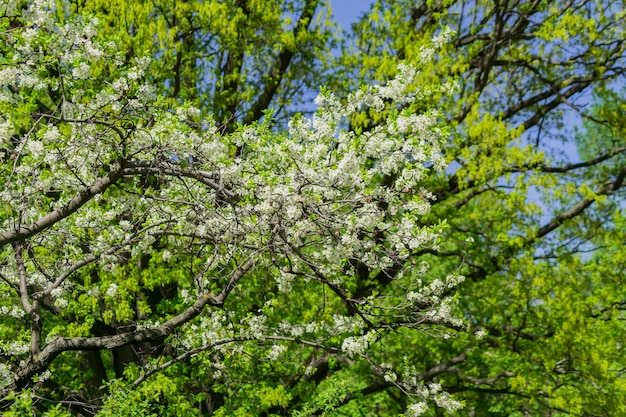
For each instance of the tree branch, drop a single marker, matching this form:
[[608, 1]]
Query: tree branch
[[280, 65], [571, 167], [483, 381], [165, 168], [606, 189], [21, 272], [57, 215], [37, 363], [444, 367]]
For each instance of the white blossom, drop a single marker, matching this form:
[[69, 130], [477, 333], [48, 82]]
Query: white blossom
[[111, 290], [82, 71], [167, 255], [15, 312], [6, 376], [416, 409], [390, 376], [356, 345], [445, 401], [481, 334], [45, 375], [35, 148], [284, 281], [61, 303], [16, 348], [276, 351]]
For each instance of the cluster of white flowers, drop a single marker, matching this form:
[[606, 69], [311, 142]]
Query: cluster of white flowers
[[284, 281], [346, 324], [111, 290], [148, 324], [416, 409], [357, 345], [186, 296], [396, 88], [57, 292], [276, 351], [6, 376], [82, 71], [15, 348], [44, 376], [445, 401], [390, 376], [15, 312], [444, 37], [40, 13], [6, 126], [61, 303], [209, 329], [481, 333], [185, 113], [298, 330], [434, 294]]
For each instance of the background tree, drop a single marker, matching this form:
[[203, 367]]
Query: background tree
[[232, 59], [516, 186]]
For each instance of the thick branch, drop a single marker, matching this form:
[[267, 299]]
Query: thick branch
[[444, 367], [571, 167], [166, 168], [21, 272], [38, 363], [57, 215]]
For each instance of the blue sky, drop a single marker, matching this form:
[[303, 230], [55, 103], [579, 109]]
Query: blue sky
[[347, 11]]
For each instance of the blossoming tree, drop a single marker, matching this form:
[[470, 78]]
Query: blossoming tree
[[150, 262]]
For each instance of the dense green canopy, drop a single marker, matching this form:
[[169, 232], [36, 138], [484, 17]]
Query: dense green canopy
[[232, 207]]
